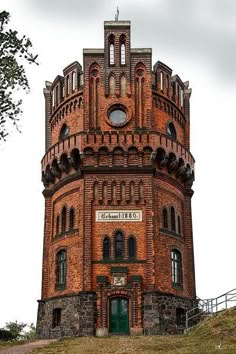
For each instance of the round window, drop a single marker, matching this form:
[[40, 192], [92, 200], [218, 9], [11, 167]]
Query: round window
[[117, 116]]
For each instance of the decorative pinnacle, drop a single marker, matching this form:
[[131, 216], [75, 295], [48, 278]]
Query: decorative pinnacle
[[117, 14]]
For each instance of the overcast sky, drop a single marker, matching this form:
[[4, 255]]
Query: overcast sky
[[197, 39]]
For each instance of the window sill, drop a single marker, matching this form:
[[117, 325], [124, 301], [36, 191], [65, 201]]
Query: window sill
[[60, 287], [65, 233], [118, 260], [171, 233], [177, 286]]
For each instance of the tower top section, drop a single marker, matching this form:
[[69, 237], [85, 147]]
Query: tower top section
[[125, 23]]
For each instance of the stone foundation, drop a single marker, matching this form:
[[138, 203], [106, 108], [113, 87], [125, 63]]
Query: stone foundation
[[77, 316], [164, 314], [161, 314]]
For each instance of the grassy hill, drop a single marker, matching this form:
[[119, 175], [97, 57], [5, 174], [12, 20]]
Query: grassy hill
[[214, 335]]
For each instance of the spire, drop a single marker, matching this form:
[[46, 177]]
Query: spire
[[117, 14]]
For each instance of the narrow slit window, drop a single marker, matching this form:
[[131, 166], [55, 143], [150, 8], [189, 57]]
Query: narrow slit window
[[63, 219], [165, 218], [176, 267], [106, 247], [61, 269], [179, 225], [57, 224], [173, 226], [161, 81], [122, 54], [131, 247], [112, 54], [72, 218], [118, 245]]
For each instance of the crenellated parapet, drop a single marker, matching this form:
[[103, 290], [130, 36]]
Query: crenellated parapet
[[112, 150]]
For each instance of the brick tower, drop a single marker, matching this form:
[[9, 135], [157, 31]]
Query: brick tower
[[117, 172]]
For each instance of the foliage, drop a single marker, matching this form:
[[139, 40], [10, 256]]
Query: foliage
[[15, 328], [6, 335], [30, 334], [13, 51]]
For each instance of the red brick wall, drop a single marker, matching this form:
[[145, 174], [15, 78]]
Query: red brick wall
[[76, 186]]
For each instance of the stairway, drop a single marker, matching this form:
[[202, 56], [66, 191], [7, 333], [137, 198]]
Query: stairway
[[209, 307]]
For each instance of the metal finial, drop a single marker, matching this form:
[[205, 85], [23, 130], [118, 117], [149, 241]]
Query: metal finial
[[117, 14]]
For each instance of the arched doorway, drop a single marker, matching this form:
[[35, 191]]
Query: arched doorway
[[119, 315]]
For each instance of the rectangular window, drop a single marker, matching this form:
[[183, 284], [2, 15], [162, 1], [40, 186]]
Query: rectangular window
[[56, 317]]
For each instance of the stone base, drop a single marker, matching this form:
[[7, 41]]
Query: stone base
[[77, 316], [164, 314], [136, 331], [101, 332]]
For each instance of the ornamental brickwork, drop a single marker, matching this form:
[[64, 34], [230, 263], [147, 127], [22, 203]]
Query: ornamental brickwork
[[117, 174]]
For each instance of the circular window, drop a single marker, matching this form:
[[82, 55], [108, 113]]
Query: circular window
[[117, 116]]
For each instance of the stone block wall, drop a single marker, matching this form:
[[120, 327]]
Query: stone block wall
[[78, 315], [159, 313]]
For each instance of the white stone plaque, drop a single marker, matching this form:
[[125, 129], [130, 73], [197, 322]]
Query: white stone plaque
[[118, 215], [118, 281]]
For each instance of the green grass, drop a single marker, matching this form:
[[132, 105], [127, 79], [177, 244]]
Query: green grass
[[10, 343], [203, 339]]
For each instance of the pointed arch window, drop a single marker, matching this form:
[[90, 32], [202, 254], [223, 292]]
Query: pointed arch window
[[131, 247], [118, 245], [122, 53], [165, 218], [171, 132], [176, 267], [72, 218], [172, 216], [111, 54], [106, 248], [61, 269], [57, 224], [64, 132], [179, 225], [63, 219]]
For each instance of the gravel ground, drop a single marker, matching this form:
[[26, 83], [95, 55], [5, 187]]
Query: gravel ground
[[26, 348]]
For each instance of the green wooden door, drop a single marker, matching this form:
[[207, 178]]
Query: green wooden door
[[119, 316]]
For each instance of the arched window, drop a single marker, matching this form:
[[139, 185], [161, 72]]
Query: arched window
[[165, 218], [118, 245], [122, 54], [176, 267], [106, 247], [111, 54], [72, 218], [171, 132], [64, 132], [57, 224], [179, 225], [63, 219], [61, 269], [132, 247], [172, 217]]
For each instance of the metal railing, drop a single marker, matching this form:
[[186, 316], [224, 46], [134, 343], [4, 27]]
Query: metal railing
[[208, 307]]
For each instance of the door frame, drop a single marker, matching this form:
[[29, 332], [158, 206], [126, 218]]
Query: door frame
[[113, 297]]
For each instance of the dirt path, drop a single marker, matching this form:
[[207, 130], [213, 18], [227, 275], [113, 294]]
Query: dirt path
[[26, 348]]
